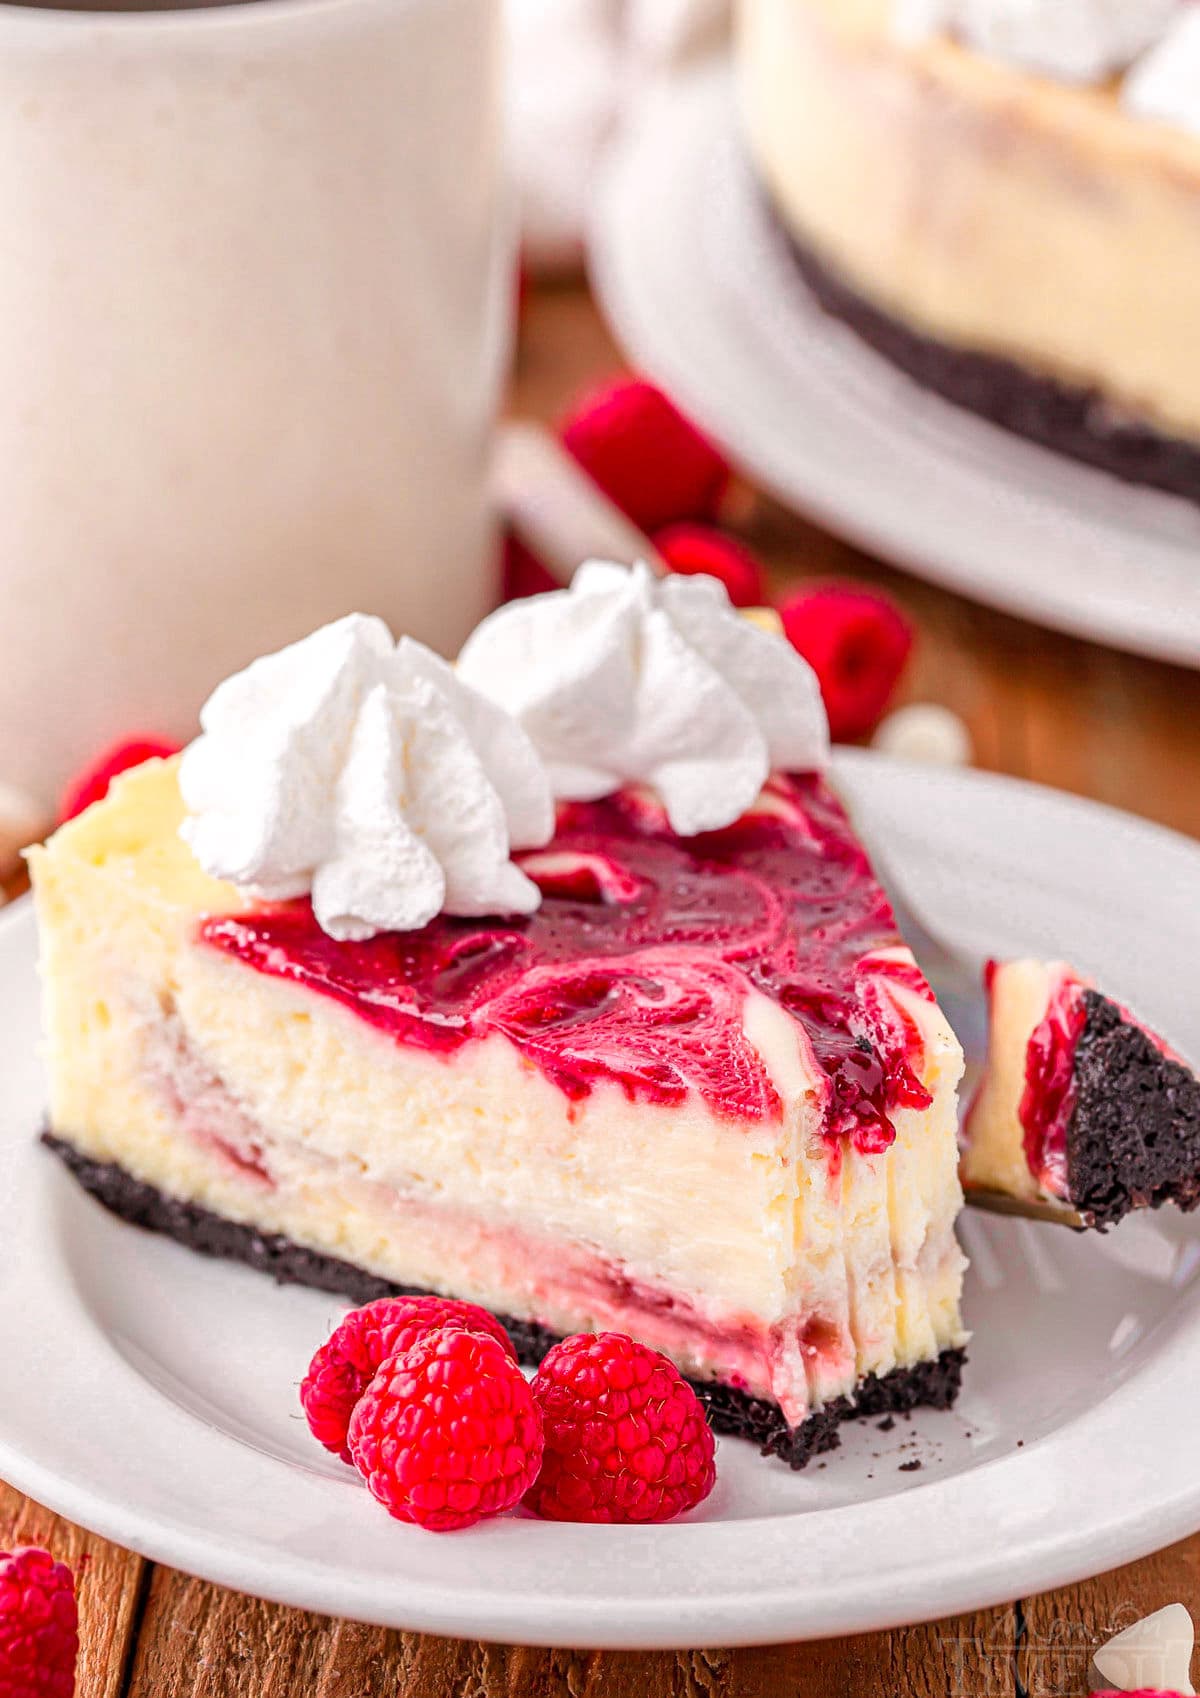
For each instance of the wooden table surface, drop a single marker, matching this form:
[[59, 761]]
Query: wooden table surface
[[1041, 706]]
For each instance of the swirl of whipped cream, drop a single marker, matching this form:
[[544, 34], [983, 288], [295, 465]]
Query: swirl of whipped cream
[[626, 678], [365, 772], [1078, 41]]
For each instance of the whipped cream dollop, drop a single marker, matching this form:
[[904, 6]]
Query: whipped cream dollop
[[1079, 41], [364, 772], [626, 678], [1164, 86]]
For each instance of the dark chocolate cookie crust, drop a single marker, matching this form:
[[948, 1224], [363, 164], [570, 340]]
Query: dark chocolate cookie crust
[[1080, 423], [932, 1384], [1134, 1139]]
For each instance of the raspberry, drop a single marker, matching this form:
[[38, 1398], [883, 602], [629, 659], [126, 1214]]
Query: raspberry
[[523, 572], [39, 1626], [645, 455], [345, 1364], [448, 1431], [626, 1438], [857, 643], [91, 785], [697, 548]]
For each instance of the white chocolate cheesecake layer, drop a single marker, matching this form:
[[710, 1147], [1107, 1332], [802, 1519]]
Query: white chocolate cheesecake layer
[[740, 1248], [984, 207], [994, 1155]]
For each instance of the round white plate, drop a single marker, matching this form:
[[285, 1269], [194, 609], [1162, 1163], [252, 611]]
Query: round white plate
[[699, 285], [151, 1394]]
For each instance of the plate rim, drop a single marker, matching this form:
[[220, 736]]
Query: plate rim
[[663, 160]]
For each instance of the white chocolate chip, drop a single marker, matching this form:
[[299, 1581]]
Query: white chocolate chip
[[925, 732], [1155, 1652]]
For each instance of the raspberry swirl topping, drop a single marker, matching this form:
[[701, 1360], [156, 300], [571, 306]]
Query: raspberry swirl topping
[[644, 958]]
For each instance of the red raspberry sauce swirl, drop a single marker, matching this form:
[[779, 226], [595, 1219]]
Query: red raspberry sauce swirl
[[637, 966], [1048, 1100]]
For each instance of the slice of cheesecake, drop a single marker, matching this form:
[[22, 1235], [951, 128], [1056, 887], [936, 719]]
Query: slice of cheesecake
[[702, 1095], [1081, 1103]]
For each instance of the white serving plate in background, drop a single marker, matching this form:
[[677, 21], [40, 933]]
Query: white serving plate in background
[[699, 286]]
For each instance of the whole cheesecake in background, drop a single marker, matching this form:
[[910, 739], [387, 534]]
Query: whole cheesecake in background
[[1004, 198], [654, 1060]]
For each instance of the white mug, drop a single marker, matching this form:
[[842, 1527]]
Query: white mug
[[255, 303]]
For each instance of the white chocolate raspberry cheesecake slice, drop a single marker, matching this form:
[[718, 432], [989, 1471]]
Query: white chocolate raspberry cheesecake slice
[[694, 1089]]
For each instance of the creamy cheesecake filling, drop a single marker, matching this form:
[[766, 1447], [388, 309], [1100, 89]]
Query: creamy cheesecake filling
[[928, 177], [1014, 1132], [754, 1248], [403, 1229], [728, 1297]]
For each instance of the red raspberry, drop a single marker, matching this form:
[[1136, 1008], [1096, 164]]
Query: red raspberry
[[698, 548], [523, 572], [345, 1364], [645, 455], [91, 785], [626, 1438], [857, 643], [447, 1432], [39, 1626]]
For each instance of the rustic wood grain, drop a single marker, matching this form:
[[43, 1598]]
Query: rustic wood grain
[[1039, 706], [1063, 1628], [108, 1583], [198, 1641]]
